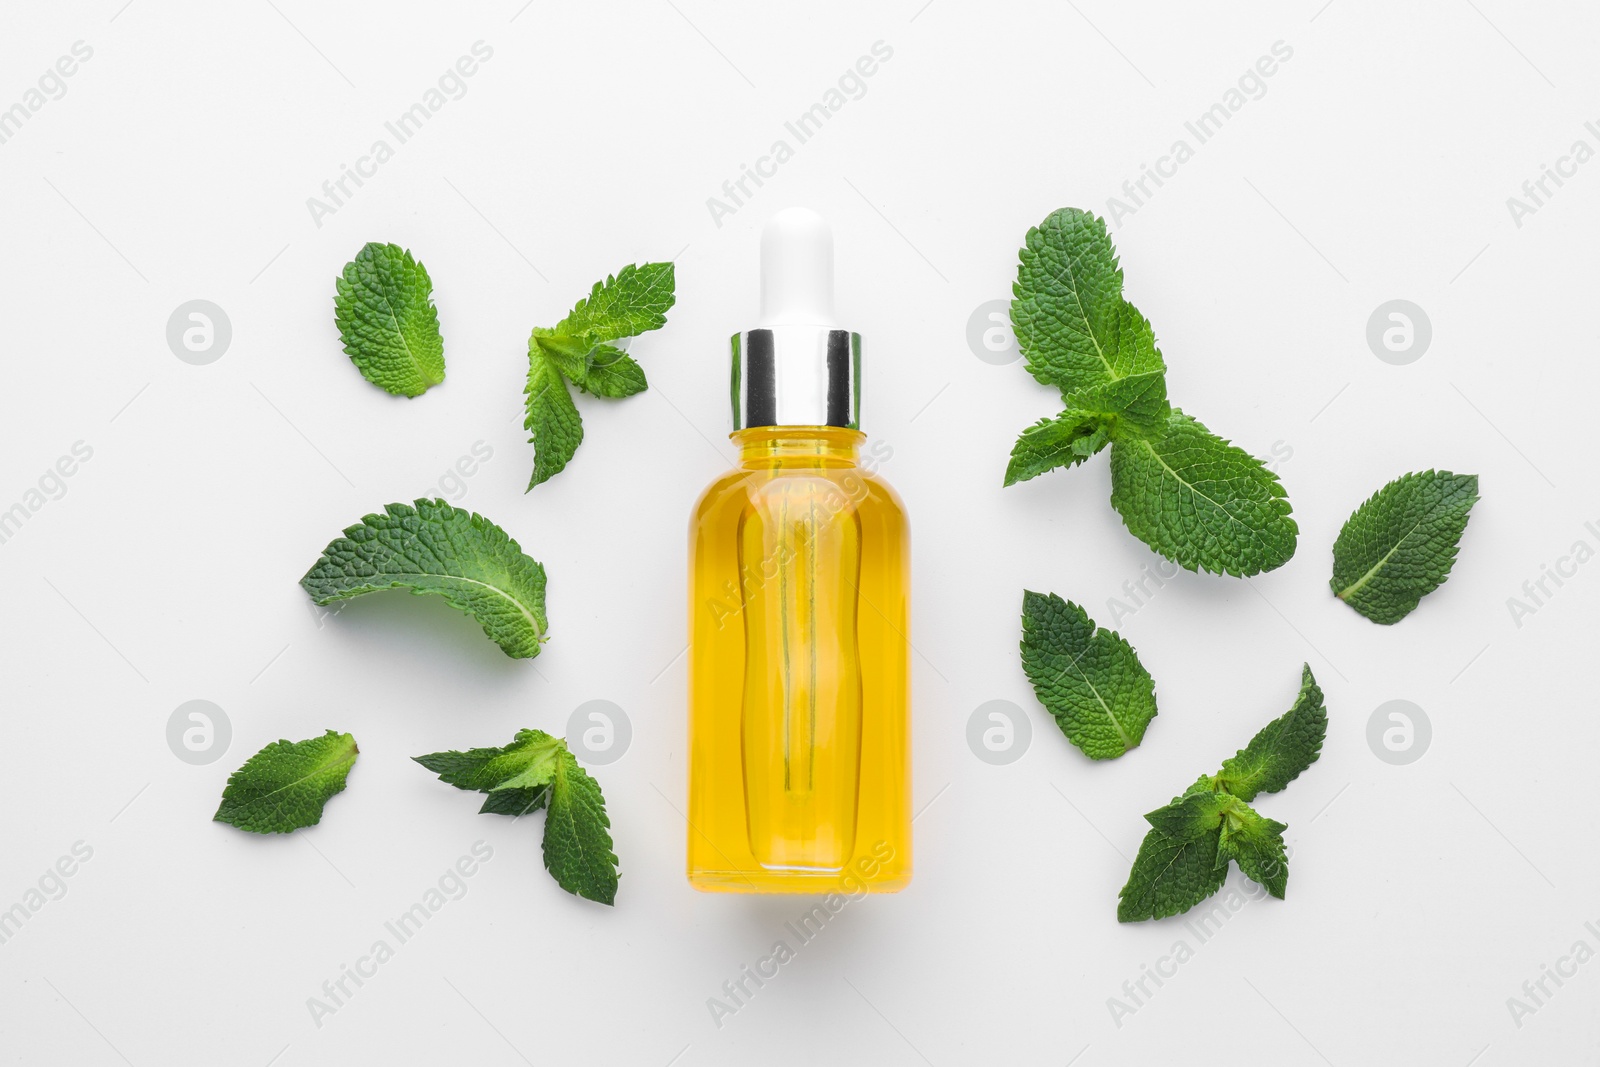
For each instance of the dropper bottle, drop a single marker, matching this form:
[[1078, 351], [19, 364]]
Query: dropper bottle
[[799, 777]]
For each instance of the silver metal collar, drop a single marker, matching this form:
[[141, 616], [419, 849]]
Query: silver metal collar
[[796, 376]]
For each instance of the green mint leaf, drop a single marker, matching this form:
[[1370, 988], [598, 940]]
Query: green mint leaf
[[1064, 441], [1200, 501], [1282, 749], [1071, 322], [635, 301], [1399, 546], [536, 770], [1089, 678], [1255, 843], [1170, 875], [387, 320], [432, 548], [528, 761], [285, 785], [577, 839], [552, 417], [579, 350]]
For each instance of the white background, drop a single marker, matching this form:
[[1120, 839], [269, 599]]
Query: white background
[[1376, 166]]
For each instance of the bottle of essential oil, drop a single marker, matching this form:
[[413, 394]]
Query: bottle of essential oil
[[799, 768]]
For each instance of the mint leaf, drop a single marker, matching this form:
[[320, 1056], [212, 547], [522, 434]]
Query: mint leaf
[[577, 839], [536, 770], [285, 785], [1177, 866], [1255, 843], [1170, 875], [1282, 749], [1201, 502], [1072, 325], [1399, 546], [432, 548], [635, 301], [1064, 441], [552, 418], [528, 761], [579, 350], [387, 320], [1089, 678]]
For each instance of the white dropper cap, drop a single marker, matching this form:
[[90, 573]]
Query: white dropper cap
[[797, 269]]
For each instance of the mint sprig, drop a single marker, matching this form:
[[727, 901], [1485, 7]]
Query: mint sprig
[[1399, 546], [1185, 855], [387, 321], [1087, 677], [580, 349], [285, 785], [1187, 493], [432, 548], [536, 771]]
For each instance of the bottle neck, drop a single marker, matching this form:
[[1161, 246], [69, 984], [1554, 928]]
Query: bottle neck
[[780, 447]]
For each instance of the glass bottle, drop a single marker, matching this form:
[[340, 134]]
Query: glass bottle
[[799, 777]]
